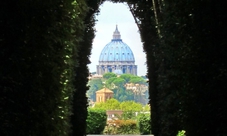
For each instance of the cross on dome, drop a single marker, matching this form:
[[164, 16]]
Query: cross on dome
[[116, 34]]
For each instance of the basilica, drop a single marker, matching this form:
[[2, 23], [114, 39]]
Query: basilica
[[117, 57]]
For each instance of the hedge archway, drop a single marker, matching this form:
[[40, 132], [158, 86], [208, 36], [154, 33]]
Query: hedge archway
[[173, 37], [45, 48], [141, 18]]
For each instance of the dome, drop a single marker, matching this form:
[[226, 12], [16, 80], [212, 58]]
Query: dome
[[116, 50], [116, 57]]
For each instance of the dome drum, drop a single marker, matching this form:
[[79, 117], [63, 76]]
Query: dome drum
[[132, 69], [115, 63]]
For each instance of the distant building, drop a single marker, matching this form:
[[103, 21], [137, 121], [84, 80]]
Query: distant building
[[103, 95], [113, 114], [116, 57]]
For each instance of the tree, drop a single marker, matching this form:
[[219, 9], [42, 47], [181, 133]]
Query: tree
[[114, 104], [127, 77], [117, 84], [94, 85], [108, 82], [137, 80], [147, 107], [96, 121], [131, 106], [110, 104], [109, 75]]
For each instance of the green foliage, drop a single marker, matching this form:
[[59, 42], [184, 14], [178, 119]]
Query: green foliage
[[130, 109], [185, 73], [137, 80], [181, 133], [118, 85], [96, 121], [131, 106], [128, 115], [111, 104], [80, 102], [108, 82], [119, 82], [39, 41], [44, 57], [147, 107], [126, 126], [109, 75], [127, 77], [144, 123], [126, 123], [121, 127], [178, 38], [94, 85]]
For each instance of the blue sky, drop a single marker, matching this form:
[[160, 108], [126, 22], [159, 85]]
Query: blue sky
[[110, 15]]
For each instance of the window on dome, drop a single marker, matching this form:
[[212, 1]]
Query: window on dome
[[122, 53]]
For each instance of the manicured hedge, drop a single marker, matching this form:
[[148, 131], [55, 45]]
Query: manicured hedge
[[144, 123], [39, 41], [96, 121], [126, 126], [44, 54]]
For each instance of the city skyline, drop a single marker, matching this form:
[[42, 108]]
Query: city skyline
[[110, 15]]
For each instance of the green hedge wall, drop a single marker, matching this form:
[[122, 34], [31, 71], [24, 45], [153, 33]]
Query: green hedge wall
[[45, 48], [96, 121], [185, 45], [38, 43], [144, 123], [80, 102]]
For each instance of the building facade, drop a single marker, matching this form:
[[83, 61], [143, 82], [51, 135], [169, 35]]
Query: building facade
[[103, 95], [117, 57]]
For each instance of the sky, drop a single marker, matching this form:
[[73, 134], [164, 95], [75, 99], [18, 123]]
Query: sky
[[112, 14]]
